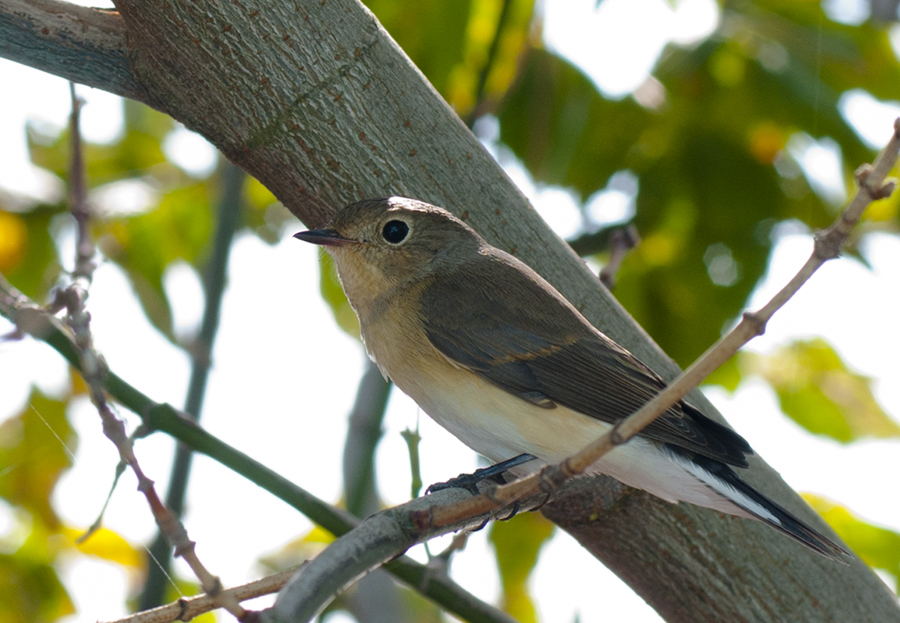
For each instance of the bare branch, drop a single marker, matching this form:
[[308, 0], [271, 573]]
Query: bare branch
[[227, 222], [621, 241], [93, 368], [80, 44], [31, 318], [187, 609], [375, 541]]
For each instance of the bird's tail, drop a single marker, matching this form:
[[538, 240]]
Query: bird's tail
[[759, 506]]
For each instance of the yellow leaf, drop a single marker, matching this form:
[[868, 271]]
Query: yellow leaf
[[13, 241], [37, 446], [105, 544], [878, 547], [517, 543]]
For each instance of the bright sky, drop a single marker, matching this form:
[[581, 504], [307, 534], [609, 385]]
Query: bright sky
[[285, 377]]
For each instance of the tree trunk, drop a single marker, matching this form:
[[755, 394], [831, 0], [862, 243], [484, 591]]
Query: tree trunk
[[314, 99]]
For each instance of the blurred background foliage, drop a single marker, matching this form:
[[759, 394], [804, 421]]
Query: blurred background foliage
[[706, 151]]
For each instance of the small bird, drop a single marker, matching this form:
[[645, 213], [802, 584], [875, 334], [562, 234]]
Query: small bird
[[494, 354]]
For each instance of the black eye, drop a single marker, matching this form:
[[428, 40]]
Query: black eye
[[395, 232]]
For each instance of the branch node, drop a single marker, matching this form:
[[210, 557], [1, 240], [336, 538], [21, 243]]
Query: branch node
[[182, 609], [756, 323], [827, 243], [621, 241]]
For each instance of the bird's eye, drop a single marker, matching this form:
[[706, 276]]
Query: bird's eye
[[395, 232]]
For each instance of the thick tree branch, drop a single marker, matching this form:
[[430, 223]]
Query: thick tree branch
[[378, 539], [315, 100], [80, 44]]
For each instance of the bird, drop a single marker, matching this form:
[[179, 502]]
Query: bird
[[493, 353]]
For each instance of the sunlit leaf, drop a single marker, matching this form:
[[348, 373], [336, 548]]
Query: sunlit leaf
[[330, 287], [469, 85], [517, 543], [818, 391], [878, 547], [32, 265], [106, 544], [36, 447], [13, 241]]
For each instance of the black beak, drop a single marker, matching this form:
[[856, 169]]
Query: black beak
[[324, 237]]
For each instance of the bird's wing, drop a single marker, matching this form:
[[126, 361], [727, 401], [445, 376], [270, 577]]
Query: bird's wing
[[545, 352]]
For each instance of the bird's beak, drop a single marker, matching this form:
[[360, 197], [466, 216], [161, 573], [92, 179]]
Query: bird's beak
[[324, 237]]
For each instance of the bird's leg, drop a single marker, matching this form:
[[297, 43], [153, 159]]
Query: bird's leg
[[469, 482]]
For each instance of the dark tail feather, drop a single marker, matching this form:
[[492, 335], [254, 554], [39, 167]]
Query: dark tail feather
[[785, 522]]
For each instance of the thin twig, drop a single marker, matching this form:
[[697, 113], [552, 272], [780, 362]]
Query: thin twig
[[31, 318], [73, 298], [622, 240], [187, 608], [488, 64], [201, 361], [872, 186]]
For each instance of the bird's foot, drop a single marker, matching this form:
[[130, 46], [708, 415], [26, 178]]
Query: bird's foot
[[469, 482]]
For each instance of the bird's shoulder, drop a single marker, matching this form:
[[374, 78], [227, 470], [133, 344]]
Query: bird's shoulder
[[501, 292]]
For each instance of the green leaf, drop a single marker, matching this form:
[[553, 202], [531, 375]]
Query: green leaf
[[264, 214], [517, 543], [818, 391], [564, 131], [30, 591], [138, 149], [728, 375], [35, 449], [450, 42], [433, 34], [144, 246], [709, 153], [878, 547], [298, 551], [27, 253], [333, 293]]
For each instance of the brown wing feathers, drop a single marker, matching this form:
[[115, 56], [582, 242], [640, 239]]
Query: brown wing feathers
[[569, 363]]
